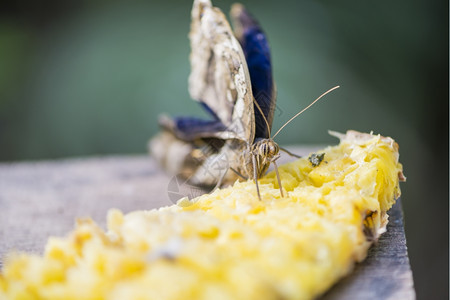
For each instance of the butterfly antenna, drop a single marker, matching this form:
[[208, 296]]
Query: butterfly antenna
[[262, 114], [299, 113]]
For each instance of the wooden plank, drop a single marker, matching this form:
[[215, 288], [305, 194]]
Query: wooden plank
[[386, 272], [42, 199]]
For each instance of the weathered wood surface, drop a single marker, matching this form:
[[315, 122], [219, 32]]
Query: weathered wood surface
[[42, 199]]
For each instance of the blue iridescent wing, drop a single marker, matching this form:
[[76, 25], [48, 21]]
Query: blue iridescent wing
[[257, 54], [191, 128]]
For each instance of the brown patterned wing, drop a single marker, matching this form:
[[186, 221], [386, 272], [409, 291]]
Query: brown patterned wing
[[219, 74]]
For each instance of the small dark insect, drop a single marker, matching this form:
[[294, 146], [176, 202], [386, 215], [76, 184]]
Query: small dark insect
[[315, 159]]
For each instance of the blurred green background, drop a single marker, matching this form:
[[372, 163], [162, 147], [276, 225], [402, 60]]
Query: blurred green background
[[83, 78]]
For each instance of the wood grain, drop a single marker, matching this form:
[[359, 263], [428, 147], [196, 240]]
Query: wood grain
[[42, 199]]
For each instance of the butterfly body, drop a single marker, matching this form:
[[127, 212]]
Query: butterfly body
[[265, 151]]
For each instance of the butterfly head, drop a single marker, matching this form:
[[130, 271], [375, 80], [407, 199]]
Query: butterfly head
[[266, 148]]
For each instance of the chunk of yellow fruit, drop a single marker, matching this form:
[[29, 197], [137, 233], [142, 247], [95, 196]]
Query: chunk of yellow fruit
[[228, 244]]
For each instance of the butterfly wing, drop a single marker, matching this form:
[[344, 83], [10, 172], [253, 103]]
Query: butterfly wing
[[214, 79], [219, 74], [257, 54], [190, 129]]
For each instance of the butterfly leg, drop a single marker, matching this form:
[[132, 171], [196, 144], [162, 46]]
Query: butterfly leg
[[290, 153], [255, 175], [238, 173], [219, 182], [278, 178]]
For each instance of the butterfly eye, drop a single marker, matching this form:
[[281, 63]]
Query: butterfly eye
[[273, 149]]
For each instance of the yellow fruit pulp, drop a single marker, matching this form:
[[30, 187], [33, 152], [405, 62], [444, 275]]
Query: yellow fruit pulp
[[228, 244]]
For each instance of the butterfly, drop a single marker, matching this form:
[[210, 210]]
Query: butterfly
[[231, 77]]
